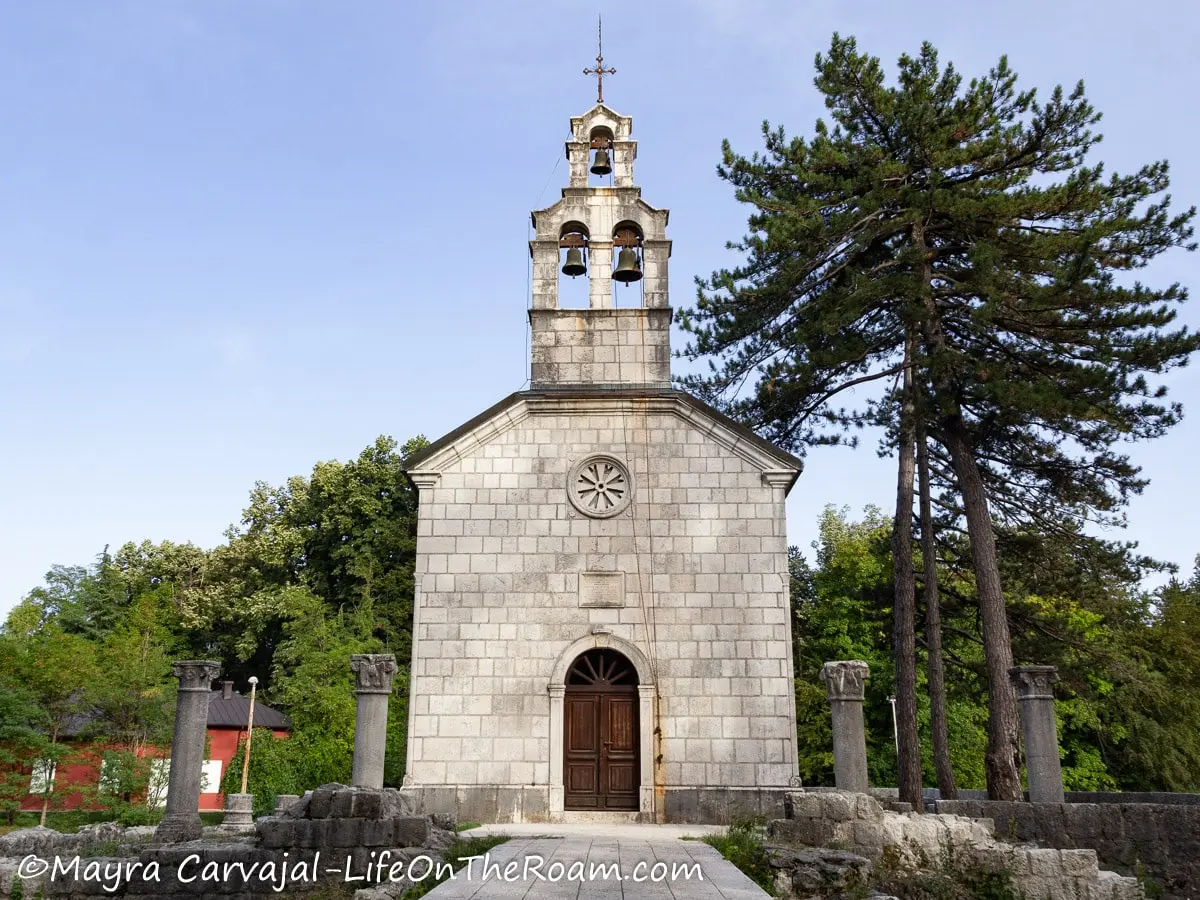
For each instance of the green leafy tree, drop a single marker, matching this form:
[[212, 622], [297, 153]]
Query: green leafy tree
[[55, 670], [968, 214]]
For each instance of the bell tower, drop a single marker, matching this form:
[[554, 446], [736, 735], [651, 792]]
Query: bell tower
[[606, 233]]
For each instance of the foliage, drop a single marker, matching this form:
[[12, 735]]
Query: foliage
[[318, 568], [1127, 708], [742, 845]]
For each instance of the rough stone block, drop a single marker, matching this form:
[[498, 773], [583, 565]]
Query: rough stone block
[[313, 833], [366, 805], [1045, 863], [276, 831], [806, 806], [377, 832], [341, 803], [838, 807], [412, 831], [345, 832], [1080, 863], [320, 802], [808, 831], [1084, 822]]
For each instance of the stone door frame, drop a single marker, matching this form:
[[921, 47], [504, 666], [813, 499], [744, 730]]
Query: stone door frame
[[647, 691]]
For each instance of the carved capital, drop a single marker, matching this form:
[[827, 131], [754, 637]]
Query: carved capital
[[373, 672], [845, 679], [1034, 682], [196, 675]]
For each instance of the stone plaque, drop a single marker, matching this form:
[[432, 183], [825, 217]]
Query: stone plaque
[[602, 589]]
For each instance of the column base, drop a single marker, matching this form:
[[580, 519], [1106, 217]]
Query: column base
[[239, 811], [175, 829]]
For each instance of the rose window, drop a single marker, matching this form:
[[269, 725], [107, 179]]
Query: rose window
[[600, 487]]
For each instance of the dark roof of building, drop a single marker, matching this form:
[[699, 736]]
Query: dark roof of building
[[234, 711]]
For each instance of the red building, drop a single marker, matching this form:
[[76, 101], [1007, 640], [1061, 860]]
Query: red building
[[228, 713]]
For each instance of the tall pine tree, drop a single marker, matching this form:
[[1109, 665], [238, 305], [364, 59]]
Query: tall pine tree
[[970, 214]]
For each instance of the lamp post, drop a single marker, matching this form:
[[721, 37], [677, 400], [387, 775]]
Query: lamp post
[[250, 732], [895, 730]]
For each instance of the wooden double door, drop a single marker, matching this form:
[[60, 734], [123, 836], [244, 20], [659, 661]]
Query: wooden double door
[[601, 768]]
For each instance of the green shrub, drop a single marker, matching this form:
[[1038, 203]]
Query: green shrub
[[742, 845]]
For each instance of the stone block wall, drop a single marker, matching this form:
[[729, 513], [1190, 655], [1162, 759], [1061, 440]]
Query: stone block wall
[[600, 346], [1160, 840], [700, 558], [858, 822]]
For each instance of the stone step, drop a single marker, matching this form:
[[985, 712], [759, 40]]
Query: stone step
[[599, 817]]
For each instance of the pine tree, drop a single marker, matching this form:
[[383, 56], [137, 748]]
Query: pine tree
[[970, 214]]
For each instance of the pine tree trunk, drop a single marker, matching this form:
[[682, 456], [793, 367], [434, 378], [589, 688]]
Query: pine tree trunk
[[1001, 761], [904, 637], [1001, 764], [939, 728]]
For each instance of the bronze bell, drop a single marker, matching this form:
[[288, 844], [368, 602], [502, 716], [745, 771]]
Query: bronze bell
[[628, 268], [600, 165], [574, 264]]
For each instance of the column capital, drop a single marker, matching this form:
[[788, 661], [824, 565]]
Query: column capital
[[196, 674], [845, 679], [373, 672], [1034, 682]]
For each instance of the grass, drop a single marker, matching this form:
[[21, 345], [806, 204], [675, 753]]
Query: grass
[[742, 845], [467, 826], [461, 849]]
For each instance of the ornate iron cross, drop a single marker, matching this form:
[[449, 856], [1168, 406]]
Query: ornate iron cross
[[599, 71]]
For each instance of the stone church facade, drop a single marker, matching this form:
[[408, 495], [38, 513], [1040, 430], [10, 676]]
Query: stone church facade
[[601, 616]]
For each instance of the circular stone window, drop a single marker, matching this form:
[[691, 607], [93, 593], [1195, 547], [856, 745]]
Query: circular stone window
[[600, 486]]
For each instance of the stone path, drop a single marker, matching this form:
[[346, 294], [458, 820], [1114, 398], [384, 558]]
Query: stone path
[[653, 853]]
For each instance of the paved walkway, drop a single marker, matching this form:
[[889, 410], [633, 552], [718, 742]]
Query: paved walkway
[[650, 862]]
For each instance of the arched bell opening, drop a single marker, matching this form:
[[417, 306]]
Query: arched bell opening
[[600, 150], [573, 261], [627, 264], [601, 732]]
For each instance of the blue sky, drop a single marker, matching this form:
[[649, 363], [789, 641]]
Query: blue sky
[[241, 236]]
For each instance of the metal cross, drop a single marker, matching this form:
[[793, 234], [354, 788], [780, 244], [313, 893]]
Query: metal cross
[[599, 71]]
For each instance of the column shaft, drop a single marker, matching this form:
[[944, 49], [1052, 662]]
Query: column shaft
[[373, 686], [181, 820]]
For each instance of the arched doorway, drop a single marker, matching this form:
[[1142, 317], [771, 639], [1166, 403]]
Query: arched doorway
[[601, 746]]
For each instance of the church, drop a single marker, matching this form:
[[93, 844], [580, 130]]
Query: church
[[601, 620]]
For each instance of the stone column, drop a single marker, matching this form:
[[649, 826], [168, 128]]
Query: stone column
[[843, 682], [373, 685], [181, 821], [1035, 690]]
